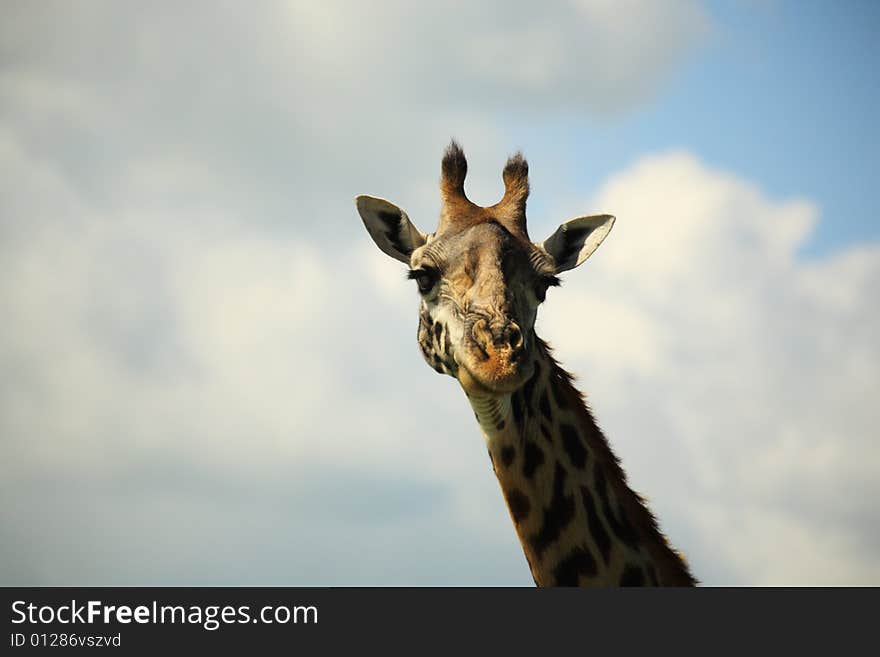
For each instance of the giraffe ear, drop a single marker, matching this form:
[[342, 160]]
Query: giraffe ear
[[575, 240], [390, 228]]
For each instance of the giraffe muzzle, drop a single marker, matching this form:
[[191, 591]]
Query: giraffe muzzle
[[496, 357], [498, 339]]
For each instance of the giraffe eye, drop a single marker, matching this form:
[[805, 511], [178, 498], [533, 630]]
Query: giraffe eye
[[426, 278]]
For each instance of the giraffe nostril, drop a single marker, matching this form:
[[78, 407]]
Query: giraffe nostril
[[514, 337], [482, 334]]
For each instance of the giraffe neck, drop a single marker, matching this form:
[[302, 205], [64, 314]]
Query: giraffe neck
[[578, 521]]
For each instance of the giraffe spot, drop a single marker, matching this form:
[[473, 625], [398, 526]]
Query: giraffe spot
[[622, 529], [626, 529], [508, 453], [632, 576], [544, 405], [426, 352], [559, 395], [557, 516], [574, 447], [517, 406], [595, 525], [546, 433], [518, 504], [425, 340], [533, 457], [578, 562], [529, 387]]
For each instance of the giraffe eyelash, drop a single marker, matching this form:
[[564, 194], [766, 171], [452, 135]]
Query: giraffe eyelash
[[544, 284], [425, 277], [413, 274]]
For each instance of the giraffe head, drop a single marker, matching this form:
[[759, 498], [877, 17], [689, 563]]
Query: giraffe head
[[480, 277]]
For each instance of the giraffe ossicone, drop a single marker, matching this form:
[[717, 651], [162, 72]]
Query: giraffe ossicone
[[481, 280]]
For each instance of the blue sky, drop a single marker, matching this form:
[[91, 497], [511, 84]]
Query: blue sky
[[783, 92], [210, 374], [789, 95]]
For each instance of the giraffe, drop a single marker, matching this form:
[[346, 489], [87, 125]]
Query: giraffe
[[481, 280]]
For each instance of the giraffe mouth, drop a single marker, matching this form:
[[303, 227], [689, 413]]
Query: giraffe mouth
[[489, 377]]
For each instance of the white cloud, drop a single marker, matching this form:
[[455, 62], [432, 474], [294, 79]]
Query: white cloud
[[193, 356], [595, 55], [336, 77], [202, 348], [173, 377]]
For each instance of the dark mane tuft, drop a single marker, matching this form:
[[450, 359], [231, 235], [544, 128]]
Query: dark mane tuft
[[454, 169], [516, 171], [516, 183]]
